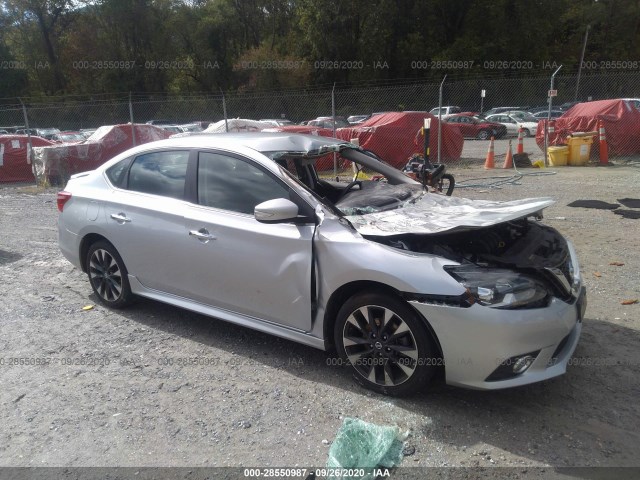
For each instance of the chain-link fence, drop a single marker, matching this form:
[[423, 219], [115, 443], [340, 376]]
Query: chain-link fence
[[470, 95]]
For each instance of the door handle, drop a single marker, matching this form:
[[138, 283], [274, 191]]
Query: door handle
[[203, 235], [120, 217]]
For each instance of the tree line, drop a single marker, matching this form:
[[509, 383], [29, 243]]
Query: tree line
[[54, 47]]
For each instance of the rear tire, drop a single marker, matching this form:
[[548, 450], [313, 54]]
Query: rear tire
[[386, 344], [108, 275]]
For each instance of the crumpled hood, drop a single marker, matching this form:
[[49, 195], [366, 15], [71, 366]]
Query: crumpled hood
[[435, 213]]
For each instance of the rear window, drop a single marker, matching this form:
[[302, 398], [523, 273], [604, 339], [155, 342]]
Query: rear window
[[117, 174]]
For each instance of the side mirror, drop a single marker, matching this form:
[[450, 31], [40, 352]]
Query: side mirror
[[276, 210]]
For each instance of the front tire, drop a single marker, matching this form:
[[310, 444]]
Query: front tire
[[386, 344], [483, 135], [108, 275], [526, 132]]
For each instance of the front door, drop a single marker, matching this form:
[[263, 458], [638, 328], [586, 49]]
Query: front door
[[234, 262]]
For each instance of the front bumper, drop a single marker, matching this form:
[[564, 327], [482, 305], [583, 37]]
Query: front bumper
[[476, 340]]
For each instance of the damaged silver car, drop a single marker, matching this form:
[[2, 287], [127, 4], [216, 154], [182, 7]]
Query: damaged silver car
[[400, 281]]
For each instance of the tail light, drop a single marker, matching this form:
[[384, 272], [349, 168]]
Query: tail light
[[63, 197]]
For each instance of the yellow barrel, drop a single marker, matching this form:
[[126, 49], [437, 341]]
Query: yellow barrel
[[579, 149], [558, 155]]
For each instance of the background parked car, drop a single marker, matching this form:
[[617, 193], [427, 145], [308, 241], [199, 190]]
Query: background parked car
[[449, 110], [277, 122], [541, 115], [27, 131], [15, 166], [87, 132], [47, 133], [68, 137], [567, 105], [56, 162], [38, 132], [354, 119], [475, 127], [328, 122], [161, 121], [633, 101], [171, 128], [513, 123], [502, 110]]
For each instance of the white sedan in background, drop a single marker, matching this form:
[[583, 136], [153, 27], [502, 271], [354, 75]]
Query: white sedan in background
[[513, 123]]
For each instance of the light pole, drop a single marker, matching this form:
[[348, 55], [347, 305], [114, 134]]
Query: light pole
[[546, 124], [584, 47]]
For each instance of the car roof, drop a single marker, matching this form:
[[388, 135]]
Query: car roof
[[259, 141]]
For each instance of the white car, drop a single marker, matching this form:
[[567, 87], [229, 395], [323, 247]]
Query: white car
[[515, 122], [449, 110]]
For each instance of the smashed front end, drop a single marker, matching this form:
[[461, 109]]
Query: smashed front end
[[519, 320]]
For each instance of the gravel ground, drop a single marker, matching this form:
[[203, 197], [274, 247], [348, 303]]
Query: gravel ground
[[477, 149], [118, 388]]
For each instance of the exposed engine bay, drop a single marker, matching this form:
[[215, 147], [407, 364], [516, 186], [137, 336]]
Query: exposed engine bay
[[518, 244]]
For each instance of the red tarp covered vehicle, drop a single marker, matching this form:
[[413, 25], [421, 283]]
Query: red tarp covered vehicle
[[60, 161], [392, 136], [14, 163], [621, 123]]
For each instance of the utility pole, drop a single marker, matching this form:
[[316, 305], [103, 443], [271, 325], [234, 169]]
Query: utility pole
[[584, 47]]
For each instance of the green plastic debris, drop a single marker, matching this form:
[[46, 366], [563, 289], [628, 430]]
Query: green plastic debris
[[361, 447]]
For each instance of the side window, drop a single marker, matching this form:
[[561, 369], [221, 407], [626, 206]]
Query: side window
[[160, 173], [117, 174], [232, 184]]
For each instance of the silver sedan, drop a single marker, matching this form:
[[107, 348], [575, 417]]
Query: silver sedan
[[400, 281]]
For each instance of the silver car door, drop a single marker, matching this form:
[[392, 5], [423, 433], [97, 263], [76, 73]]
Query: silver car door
[[145, 220], [234, 262]]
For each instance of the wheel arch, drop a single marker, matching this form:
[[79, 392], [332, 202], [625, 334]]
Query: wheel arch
[[346, 291], [85, 245]]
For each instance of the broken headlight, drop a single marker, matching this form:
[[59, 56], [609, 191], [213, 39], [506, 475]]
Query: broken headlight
[[501, 288]]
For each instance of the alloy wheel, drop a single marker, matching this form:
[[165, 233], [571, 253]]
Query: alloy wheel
[[380, 345], [105, 275]]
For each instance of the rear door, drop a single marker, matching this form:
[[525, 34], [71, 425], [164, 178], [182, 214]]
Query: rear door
[[144, 216]]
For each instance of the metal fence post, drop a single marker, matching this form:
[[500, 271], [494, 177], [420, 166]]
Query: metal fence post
[[224, 111], [333, 118], [440, 119], [29, 144], [133, 129]]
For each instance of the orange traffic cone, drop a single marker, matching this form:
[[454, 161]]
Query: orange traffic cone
[[520, 148], [490, 161], [508, 159], [604, 149]]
